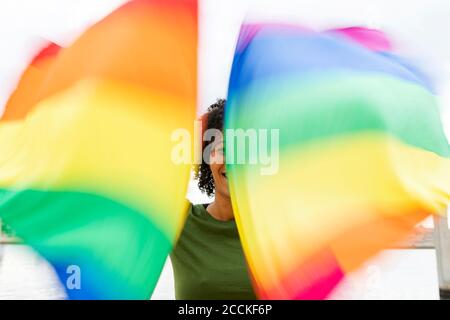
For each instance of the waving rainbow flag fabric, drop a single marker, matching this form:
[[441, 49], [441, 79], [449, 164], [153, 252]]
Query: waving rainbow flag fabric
[[362, 154], [86, 176]]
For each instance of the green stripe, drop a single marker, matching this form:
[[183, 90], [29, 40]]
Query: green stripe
[[307, 109], [121, 252]]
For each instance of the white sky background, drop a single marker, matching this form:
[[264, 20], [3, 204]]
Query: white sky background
[[418, 26]]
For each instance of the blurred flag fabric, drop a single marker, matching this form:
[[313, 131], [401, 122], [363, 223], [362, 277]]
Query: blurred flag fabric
[[362, 154], [86, 176]]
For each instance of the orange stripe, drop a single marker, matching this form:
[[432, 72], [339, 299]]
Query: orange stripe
[[347, 252], [26, 94], [360, 243], [312, 279], [147, 43]]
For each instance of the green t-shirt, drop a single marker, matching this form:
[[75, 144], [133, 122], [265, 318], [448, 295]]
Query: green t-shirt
[[208, 261]]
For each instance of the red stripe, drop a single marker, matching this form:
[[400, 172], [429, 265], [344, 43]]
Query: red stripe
[[313, 279], [51, 50]]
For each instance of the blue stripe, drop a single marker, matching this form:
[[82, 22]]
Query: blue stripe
[[274, 52]]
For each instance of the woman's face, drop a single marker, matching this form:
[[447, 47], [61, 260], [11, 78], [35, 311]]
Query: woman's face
[[218, 169]]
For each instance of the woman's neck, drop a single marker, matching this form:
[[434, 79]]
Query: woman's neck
[[221, 208]]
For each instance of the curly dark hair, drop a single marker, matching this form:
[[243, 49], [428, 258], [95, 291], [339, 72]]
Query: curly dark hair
[[212, 119]]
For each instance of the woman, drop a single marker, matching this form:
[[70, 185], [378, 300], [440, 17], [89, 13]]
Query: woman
[[208, 260]]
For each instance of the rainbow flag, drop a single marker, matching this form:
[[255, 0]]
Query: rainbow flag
[[362, 156], [86, 175]]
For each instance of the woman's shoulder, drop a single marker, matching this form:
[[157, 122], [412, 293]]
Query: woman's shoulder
[[197, 209], [192, 227], [195, 212]]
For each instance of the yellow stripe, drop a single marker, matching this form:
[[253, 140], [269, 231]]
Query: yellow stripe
[[105, 138], [327, 189]]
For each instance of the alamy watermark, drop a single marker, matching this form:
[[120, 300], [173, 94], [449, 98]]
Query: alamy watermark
[[250, 146], [73, 281]]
